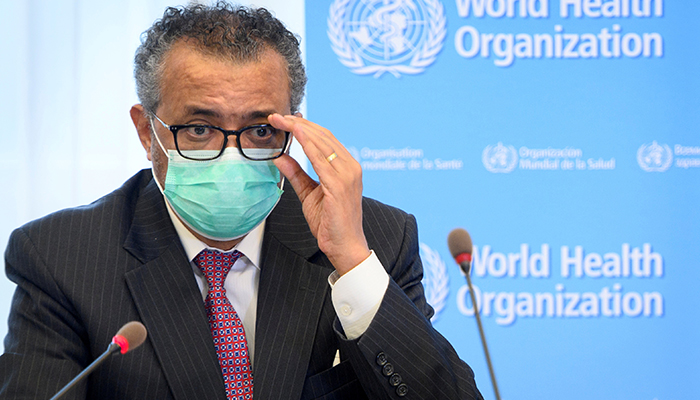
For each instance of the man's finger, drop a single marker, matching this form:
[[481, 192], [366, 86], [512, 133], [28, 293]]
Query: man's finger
[[305, 131], [301, 182], [312, 139]]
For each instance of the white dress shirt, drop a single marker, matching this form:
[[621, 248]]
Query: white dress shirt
[[356, 296]]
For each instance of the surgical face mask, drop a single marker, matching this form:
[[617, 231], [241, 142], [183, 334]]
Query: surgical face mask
[[221, 199]]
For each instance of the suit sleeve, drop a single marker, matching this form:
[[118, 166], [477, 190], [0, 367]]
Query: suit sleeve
[[401, 355], [44, 347]]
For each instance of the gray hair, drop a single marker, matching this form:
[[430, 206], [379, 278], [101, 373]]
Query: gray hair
[[238, 33]]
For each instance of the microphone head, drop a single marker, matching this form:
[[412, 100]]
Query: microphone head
[[130, 336], [459, 242]]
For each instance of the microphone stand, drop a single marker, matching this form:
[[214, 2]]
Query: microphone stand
[[112, 349], [481, 333]]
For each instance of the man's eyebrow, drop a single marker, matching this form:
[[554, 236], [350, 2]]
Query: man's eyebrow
[[260, 114], [208, 112]]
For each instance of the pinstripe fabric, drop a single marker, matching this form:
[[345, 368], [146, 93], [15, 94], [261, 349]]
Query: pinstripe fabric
[[83, 272]]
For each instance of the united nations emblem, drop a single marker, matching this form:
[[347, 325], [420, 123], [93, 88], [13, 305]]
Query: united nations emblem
[[435, 279], [395, 36], [654, 157], [499, 158]]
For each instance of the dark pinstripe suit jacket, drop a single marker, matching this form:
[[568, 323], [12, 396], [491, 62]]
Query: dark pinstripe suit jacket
[[83, 272]]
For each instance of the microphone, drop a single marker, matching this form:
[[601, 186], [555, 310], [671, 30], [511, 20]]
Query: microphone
[[460, 244], [129, 337]]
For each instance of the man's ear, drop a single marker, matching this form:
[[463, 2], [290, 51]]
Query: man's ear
[[139, 117]]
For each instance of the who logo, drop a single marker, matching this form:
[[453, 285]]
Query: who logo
[[436, 281], [654, 157], [378, 36], [499, 158]]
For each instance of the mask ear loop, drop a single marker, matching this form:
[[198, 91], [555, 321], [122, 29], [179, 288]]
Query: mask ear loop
[[160, 144], [282, 183], [153, 131]]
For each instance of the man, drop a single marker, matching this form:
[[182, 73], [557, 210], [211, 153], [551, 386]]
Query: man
[[220, 89]]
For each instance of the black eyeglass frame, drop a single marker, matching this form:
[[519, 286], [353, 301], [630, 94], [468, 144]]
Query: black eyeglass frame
[[175, 128]]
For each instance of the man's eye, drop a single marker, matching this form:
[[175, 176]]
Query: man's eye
[[263, 131], [198, 131]]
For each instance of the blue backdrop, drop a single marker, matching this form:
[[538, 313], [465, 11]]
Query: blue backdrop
[[563, 135]]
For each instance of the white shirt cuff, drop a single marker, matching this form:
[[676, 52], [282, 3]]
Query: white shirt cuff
[[358, 294]]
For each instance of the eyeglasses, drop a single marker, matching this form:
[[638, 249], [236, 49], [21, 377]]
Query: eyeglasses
[[255, 142]]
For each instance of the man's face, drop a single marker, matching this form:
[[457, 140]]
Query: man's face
[[201, 89]]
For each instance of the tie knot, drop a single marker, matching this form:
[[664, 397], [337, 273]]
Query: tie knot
[[215, 265]]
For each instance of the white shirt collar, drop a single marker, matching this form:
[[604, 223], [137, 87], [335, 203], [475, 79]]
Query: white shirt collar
[[250, 246]]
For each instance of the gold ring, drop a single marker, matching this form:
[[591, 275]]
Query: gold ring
[[331, 157]]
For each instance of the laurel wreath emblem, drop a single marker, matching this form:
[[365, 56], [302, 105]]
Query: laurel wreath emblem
[[488, 163], [419, 62], [436, 281], [666, 161]]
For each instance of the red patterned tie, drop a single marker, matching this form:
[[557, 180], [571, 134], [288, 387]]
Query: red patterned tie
[[226, 328]]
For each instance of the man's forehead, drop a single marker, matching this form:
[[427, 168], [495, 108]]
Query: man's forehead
[[185, 60], [200, 83]]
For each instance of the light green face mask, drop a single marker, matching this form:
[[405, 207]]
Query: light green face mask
[[222, 199]]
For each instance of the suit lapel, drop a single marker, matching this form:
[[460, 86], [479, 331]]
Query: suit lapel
[[291, 294], [169, 302]]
